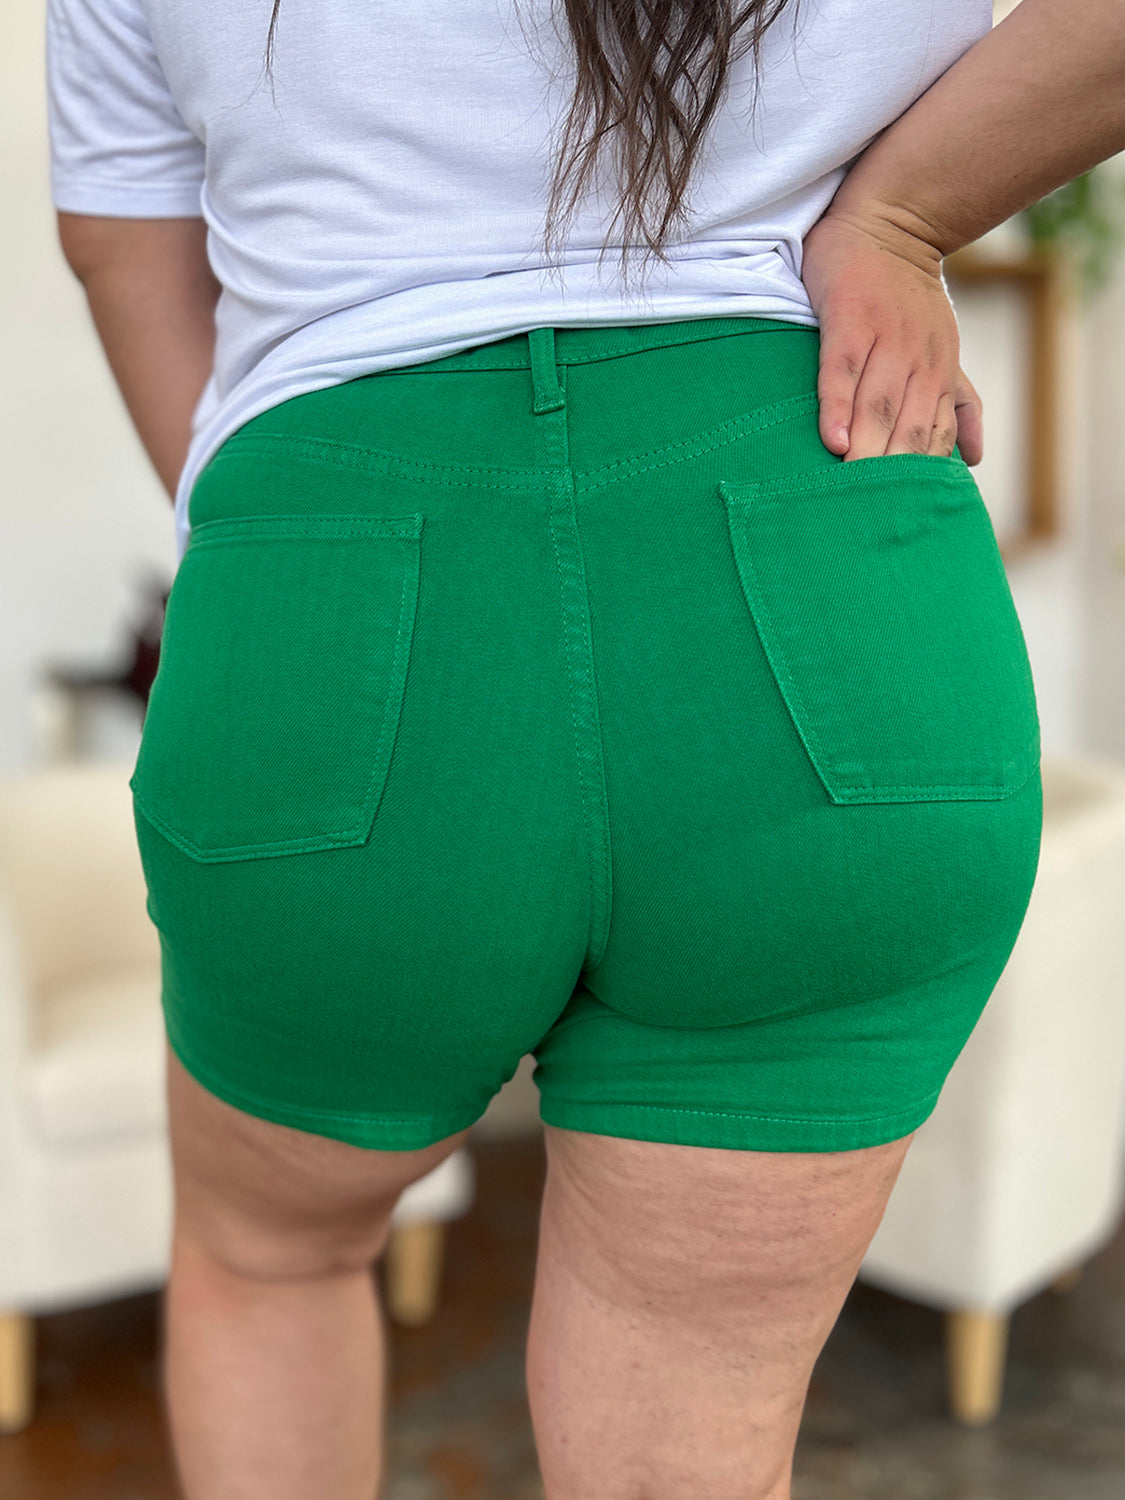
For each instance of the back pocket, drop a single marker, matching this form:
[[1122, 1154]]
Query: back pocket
[[881, 601], [276, 703]]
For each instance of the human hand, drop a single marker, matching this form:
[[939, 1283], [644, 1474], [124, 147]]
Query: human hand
[[890, 377]]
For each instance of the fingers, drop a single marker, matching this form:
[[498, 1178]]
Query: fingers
[[883, 399], [943, 434], [970, 420], [875, 399], [889, 379], [927, 420], [843, 355]]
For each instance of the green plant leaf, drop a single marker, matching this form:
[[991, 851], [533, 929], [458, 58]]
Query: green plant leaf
[[1085, 218]]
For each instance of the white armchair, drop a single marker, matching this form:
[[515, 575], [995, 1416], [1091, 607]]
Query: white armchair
[[1016, 1177], [85, 1173], [1019, 1173]]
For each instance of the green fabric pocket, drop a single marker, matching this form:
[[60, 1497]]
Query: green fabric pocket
[[880, 598], [277, 700]]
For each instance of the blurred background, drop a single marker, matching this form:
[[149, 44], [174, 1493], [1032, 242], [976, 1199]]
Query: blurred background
[[981, 1353]]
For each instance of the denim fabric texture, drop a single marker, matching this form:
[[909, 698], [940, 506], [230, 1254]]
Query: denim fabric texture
[[567, 696]]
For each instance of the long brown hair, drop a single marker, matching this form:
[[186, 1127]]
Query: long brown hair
[[636, 58]]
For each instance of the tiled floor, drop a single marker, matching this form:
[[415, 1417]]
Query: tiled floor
[[875, 1426]]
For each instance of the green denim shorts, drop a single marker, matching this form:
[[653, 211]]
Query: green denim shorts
[[567, 696]]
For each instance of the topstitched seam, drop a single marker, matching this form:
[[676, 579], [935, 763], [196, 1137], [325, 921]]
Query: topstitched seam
[[350, 455], [579, 759], [389, 713], [759, 420], [743, 1114], [578, 645], [330, 452], [740, 520]]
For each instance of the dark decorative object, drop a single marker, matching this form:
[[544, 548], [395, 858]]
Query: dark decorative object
[[134, 677]]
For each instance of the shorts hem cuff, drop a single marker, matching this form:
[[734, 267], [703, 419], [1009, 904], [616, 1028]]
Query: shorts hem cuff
[[375, 1132], [735, 1129]]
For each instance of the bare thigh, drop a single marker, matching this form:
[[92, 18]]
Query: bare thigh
[[682, 1297], [268, 1200]]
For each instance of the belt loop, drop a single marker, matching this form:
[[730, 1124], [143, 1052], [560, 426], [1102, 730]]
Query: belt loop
[[549, 394]]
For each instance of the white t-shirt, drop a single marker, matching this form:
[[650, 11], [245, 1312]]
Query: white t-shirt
[[382, 204]]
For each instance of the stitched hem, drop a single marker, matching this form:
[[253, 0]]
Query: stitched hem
[[381, 1132], [735, 1129]]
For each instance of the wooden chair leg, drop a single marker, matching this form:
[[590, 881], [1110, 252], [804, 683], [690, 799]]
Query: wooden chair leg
[[412, 1270], [976, 1348], [17, 1370]]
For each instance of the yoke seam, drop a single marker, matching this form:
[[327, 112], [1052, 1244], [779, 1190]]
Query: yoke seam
[[759, 420], [352, 455], [328, 451]]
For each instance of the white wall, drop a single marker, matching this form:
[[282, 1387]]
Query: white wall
[[1103, 565], [82, 513], [1047, 581], [81, 510], [1071, 593]]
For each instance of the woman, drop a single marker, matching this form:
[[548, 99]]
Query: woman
[[613, 667]]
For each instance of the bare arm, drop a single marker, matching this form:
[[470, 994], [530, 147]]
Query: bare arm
[[1034, 103], [152, 296]]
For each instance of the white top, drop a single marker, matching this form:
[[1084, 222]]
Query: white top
[[383, 204]]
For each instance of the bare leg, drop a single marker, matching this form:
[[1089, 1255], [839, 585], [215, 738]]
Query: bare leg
[[273, 1358], [682, 1297]]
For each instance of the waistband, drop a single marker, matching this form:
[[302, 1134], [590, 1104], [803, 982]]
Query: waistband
[[579, 346]]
